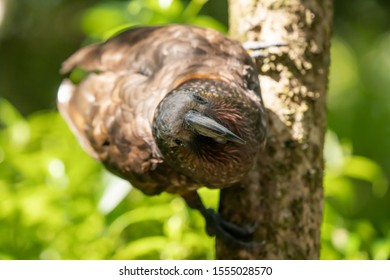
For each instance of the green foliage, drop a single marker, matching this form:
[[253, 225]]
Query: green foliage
[[352, 227], [356, 224], [58, 203], [106, 19]]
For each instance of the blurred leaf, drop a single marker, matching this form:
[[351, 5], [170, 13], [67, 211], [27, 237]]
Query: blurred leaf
[[8, 114], [206, 21], [144, 248], [343, 71], [381, 249], [366, 169], [104, 17], [50, 195], [343, 235]]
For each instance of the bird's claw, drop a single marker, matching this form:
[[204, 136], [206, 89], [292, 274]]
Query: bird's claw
[[229, 232]]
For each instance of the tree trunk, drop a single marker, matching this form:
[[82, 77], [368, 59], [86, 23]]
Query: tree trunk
[[283, 195]]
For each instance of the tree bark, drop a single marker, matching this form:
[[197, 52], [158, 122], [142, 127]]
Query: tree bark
[[283, 194]]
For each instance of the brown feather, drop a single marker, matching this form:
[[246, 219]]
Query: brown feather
[[112, 110]]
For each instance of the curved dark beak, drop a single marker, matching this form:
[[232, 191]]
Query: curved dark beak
[[208, 127]]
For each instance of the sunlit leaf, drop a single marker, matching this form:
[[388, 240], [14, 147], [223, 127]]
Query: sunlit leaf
[[100, 19], [381, 249], [206, 21], [149, 246]]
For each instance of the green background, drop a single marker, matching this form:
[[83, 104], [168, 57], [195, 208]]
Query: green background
[[57, 203]]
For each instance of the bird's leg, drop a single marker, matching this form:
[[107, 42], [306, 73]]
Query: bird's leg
[[254, 48], [217, 226]]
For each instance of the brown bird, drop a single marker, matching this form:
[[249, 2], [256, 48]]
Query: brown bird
[[169, 108]]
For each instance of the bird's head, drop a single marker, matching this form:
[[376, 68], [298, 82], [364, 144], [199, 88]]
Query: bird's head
[[209, 130]]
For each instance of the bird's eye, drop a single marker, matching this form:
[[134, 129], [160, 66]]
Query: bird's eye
[[199, 99], [178, 142]]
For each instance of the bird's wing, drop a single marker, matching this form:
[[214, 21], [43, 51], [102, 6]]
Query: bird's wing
[[110, 111], [112, 55]]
